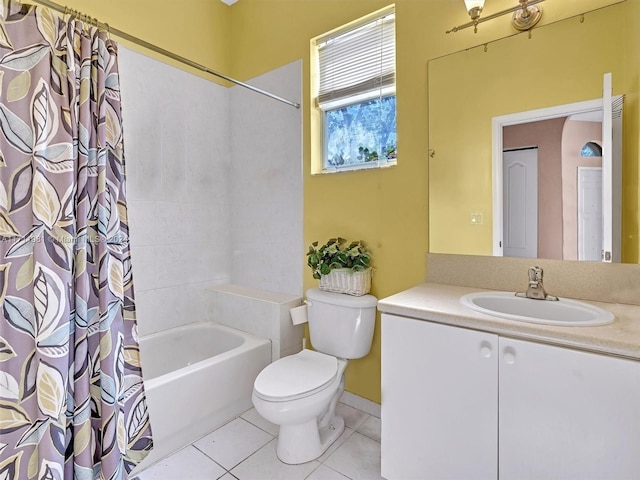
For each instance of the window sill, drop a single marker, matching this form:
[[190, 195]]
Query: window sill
[[355, 168]]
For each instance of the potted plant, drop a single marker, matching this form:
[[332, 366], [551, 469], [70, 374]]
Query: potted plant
[[341, 266]]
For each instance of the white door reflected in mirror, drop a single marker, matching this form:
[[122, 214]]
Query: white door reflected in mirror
[[520, 193]]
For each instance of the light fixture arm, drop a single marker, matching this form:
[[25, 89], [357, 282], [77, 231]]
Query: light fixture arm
[[525, 17]]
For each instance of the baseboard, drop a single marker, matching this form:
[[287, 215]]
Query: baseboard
[[361, 403]]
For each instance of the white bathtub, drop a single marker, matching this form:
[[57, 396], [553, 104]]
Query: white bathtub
[[197, 377]]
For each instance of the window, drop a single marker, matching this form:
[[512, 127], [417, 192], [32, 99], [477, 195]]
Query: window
[[591, 149], [356, 94]]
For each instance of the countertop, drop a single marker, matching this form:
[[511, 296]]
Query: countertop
[[440, 303]]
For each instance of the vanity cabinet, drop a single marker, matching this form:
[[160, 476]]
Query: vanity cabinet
[[567, 414], [439, 401], [464, 404]]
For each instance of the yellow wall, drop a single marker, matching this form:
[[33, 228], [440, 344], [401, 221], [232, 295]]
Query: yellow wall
[[196, 29], [387, 208]]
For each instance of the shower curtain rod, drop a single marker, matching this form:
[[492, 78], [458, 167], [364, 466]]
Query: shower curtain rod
[[162, 51]]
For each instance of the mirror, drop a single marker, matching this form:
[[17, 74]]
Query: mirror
[[562, 63]]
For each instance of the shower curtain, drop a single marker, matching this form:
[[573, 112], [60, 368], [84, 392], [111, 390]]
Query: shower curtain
[[72, 403]]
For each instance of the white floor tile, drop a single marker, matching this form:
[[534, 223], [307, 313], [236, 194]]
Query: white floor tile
[[265, 465], [358, 458], [371, 428], [334, 446], [252, 416], [325, 473], [187, 464], [247, 447], [361, 403], [233, 442], [353, 418]]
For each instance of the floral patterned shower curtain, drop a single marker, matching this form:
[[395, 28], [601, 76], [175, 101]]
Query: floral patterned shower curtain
[[72, 403]]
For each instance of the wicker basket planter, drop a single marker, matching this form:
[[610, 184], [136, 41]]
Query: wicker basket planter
[[345, 280]]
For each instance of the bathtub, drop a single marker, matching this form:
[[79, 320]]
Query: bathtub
[[197, 377]]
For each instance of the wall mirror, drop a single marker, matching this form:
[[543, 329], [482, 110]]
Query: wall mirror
[[480, 100]]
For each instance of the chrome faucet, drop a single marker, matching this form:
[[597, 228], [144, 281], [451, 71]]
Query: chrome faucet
[[536, 287]]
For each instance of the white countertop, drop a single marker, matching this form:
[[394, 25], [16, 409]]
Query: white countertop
[[441, 303]]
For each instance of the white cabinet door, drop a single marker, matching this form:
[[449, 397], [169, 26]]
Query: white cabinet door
[[566, 414], [439, 401]]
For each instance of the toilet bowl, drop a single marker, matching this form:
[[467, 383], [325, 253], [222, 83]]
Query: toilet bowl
[[299, 393]]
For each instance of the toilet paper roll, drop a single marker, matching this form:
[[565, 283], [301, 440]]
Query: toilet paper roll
[[299, 314]]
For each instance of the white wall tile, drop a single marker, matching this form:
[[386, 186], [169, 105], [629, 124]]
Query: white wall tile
[[147, 311], [173, 224], [171, 267], [197, 203], [247, 314], [142, 222], [259, 312], [201, 260], [148, 180], [143, 261], [290, 334], [173, 171], [266, 179], [199, 302]]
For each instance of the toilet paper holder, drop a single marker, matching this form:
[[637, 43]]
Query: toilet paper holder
[[299, 314]]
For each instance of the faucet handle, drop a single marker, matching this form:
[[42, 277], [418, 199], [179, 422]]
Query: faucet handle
[[535, 274]]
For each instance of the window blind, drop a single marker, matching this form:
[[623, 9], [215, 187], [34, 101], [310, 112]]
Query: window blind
[[358, 62]]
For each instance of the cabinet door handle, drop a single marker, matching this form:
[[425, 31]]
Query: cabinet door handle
[[509, 356], [485, 349]]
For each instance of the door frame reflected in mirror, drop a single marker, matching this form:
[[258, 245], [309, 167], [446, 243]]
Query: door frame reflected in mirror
[[498, 124]]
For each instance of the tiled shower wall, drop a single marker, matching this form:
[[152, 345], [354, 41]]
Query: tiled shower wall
[[182, 190], [266, 183]]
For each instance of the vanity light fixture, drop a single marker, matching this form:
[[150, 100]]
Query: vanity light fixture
[[525, 15], [474, 7]]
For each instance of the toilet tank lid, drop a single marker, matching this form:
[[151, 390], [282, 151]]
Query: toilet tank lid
[[342, 299]]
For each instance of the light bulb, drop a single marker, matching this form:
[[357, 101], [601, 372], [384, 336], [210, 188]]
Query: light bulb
[[474, 7]]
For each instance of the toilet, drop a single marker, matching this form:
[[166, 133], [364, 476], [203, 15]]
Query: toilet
[[300, 392]]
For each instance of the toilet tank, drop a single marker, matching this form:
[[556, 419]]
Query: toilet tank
[[339, 324]]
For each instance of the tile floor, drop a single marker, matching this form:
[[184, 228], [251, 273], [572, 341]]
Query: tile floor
[[245, 449]]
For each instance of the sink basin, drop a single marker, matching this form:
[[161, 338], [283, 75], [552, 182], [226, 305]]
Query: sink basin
[[564, 312]]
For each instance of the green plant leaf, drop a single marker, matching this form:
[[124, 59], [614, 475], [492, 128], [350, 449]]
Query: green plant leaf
[[337, 253]]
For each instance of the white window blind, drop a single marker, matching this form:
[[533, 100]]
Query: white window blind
[[358, 63]]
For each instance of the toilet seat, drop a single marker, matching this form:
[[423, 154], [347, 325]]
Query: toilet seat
[[296, 376]]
